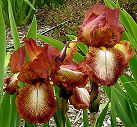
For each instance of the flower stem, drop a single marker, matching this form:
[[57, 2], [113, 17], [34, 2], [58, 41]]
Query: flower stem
[[63, 104], [94, 103]]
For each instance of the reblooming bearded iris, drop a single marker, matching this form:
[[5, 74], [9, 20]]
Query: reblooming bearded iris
[[107, 55], [35, 101], [47, 66]]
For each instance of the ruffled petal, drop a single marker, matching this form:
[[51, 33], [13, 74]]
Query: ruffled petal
[[124, 47], [96, 9], [36, 103], [69, 77], [32, 49], [80, 98], [105, 65], [66, 55], [101, 27], [12, 84], [40, 68], [17, 60], [27, 74], [52, 53]]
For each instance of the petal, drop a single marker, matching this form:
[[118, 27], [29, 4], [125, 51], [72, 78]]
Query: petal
[[91, 24], [66, 55], [52, 53], [27, 74], [12, 84], [80, 98], [112, 18], [105, 66], [98, 21], [96, 9], [32, 49], [45, 63], [40, 68], [69, 77], [36, 103], [17, 60], [124, 47]]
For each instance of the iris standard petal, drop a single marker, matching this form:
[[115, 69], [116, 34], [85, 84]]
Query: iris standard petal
[[17, 60], [32, 49], [124, 47]]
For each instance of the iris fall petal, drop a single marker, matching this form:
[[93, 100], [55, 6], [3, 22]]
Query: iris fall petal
[[105, 65], [12, 84], [36, 103], [80, 98], [69, 77]]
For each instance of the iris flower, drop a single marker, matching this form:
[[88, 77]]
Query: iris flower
[[107, 55], [35, 101]]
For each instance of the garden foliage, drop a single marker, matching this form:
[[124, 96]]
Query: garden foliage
[[123, 103]]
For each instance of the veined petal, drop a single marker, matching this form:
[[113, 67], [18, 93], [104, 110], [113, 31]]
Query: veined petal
[[32, 49], [69, 77], [92, 32], [124, 47], [80, 98], [105, 65], [12, 84], [36, 103], [52, 53], [27, 74], [40, 68], [17, 60], [96, 9]]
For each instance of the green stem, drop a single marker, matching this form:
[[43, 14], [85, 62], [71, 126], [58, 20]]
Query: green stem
[[63, 104]]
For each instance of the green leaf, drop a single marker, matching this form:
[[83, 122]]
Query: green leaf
[[51, 41], [109, 4], [113, 111], [83, 47], [133, 108], [78, 57], [27, 124], [72, 37], [68, 122], [130, 86], [30, 4], [33, 29], [46, 124], [123, 109], [102, 116], [7, 57], [29, 13], [57, 116], [14, 111], [85, 118], [108, 91], [132, 65], [13, 27], [18, 121], [129, 23], [2, 50], [5, 110]]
